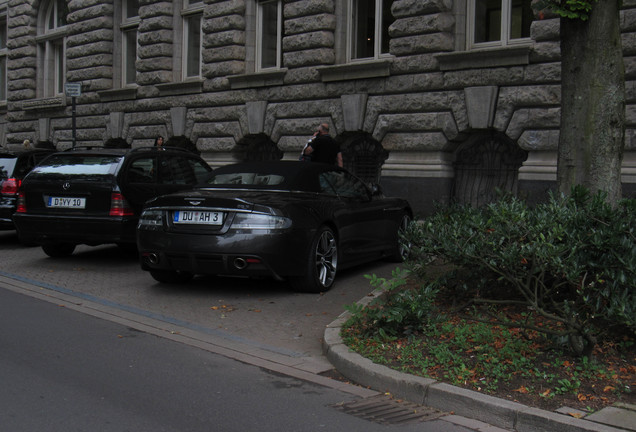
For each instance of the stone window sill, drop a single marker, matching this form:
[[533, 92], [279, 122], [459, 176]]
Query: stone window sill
[[259, 79], [44, 103], [484, 58], [126, 93], [356, 70], [191, 86]]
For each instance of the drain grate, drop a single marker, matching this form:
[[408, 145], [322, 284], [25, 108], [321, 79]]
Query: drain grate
[[384, 410]]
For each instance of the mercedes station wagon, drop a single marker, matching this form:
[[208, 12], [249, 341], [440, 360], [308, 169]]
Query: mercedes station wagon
[[94, 195]]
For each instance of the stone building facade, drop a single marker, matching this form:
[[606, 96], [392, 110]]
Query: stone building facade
[[439, 100]]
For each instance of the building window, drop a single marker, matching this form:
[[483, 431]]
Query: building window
[[3, 55], [191, 61], [51, 48], [269, 34], [128, 27], [499, 22], [369, 29]]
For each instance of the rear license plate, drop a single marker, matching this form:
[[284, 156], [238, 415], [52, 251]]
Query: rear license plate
[[66, 202], [198, 217]]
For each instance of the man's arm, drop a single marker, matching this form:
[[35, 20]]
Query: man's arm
[[339, 160]]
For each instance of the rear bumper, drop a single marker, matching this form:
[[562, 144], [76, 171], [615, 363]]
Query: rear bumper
[[78, 230], [279, 255]]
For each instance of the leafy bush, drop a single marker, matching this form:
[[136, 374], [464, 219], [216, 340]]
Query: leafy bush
[[400, 313], [571, 261]]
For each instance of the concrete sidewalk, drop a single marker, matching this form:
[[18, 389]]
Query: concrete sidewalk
[[467, 403]]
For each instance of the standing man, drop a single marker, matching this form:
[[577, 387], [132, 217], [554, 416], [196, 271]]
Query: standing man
[[323, 148]]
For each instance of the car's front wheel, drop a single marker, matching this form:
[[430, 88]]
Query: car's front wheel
[[402, 248], [171, 276], [322, 263], [58, 250]]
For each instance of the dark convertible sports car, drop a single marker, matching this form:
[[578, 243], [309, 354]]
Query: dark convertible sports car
[[287, 219]]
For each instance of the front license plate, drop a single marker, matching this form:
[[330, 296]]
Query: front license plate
[[198, 217], [66, 202]]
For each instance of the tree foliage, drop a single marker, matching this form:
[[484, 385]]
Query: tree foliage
[[572, 9]]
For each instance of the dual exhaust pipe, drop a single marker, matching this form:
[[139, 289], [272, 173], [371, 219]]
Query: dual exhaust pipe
[[239, 263]]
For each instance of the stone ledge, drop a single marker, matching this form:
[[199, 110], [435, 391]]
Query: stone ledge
[[356, 70], [484, 58], [118, 94], [180, 88], [259, 79], [44, 103]]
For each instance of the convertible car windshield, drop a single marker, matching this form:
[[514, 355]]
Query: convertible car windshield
[[246, 178]]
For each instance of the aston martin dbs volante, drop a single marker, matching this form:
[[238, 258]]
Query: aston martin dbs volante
[[292, 220]]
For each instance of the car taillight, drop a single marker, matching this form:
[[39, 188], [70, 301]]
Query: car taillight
[[10, 186], [119, 206], [21, 204]]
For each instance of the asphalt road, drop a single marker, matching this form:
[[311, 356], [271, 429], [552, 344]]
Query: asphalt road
[[263, 314], [66, 371]]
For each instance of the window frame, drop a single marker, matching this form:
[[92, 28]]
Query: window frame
[[505, 25], [191, 9], [129, 28], [4, 52], [260, 35], [51, 43], [379, 33]]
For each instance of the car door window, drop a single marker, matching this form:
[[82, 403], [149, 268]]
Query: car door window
[[200, 169], [344, 185], [142, 170], [181, 170]]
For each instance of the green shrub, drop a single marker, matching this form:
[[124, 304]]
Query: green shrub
[[572, 261], [401, 312]]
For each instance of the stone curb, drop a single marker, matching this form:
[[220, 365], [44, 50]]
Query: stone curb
[[468, 403]]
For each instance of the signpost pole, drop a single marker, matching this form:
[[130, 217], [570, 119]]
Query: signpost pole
[[73, 90], [73, 119]]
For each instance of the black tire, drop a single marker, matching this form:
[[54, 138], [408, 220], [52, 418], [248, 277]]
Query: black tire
[[171, 276], [58, 250], [322, 264], [401, 250]]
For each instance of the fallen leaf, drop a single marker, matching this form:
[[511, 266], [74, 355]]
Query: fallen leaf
[[608, 389], [576, 415], [581, 397], [521, 389]]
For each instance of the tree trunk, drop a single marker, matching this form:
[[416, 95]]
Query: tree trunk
[[592, 135]]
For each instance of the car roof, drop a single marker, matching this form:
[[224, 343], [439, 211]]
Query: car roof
[[123, 151], [10, 154]]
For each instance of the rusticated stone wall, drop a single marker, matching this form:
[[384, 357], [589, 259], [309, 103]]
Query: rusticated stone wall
[[421, 104]]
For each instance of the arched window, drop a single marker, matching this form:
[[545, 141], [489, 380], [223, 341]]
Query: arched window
[[51, 41]]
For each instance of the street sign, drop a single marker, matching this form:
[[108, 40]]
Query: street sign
[[73, 89]]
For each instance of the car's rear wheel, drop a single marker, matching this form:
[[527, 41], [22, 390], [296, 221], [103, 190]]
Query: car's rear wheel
[[401, 251], [171, 276], [58, 250], [322, 263]]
